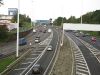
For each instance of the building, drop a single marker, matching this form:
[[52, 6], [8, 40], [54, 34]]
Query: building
[[9, 26], [12, 11], [42, 22], [5, 20]]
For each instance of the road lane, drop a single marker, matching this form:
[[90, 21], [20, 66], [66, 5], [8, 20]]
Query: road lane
[[92, 62], [35, 52], [10, 47], [46, 58]]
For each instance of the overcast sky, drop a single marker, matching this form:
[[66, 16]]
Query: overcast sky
[[45, 9]]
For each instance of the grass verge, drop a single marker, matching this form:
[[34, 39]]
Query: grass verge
[[4, 62]]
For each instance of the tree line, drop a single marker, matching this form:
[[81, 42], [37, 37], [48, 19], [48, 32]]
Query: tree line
[[88, 18], [22, 19]]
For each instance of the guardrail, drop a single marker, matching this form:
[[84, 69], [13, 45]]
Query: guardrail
[[10, 67]]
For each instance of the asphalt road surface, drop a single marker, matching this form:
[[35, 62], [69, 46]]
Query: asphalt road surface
[[10, 47], [22, 67], [46, 58], [92, 62]]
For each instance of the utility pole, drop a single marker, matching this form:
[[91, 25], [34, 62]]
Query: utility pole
[[17, 47]]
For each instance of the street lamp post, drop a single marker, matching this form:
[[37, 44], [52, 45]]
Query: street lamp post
[[81, 10], [17, 47], [62, 33], [33, 25]]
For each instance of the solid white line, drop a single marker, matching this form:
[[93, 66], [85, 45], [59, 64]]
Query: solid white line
[[90, 49], [82, 55], [31, 58], [20, 69], [27, 63], [38, 58], [52, 60], [34, 54], [78, 73], [38, 51]]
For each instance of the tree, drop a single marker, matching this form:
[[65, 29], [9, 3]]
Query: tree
[[3, 33], [1, 3], [22, 19], [64, 20], [96, 17], [72, 19], [59, 21]]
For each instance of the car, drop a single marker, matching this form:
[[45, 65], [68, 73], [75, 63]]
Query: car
[[49, 30], [37, 40], [37, 69], [38, 37], [75, 31], [22, 41], [34, 31], [83, 35], [93, 39], [44, 31], [40, 30], [49, 48], [87, 34], [77, 34], [1, 55]]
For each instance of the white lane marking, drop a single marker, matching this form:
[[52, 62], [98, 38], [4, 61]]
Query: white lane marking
[[27, 63], [78, 73], [31, 58], [36, 60], [38, 51], [34, 54], [20, 69], [52, 60], [91, 48], [78, 51]]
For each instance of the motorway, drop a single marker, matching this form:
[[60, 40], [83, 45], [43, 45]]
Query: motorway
[[10, 47], [93, 65], [38, 55]]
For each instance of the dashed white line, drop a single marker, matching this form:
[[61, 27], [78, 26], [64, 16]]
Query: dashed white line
[[20, 69], [34, 54], [27, 63], [30, 58]]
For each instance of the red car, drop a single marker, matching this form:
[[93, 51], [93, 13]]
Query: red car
[[93, 39]]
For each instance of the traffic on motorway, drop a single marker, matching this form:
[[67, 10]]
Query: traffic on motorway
[[87, 56], [41, 49]]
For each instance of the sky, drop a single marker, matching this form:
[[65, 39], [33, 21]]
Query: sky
[[46, 9]]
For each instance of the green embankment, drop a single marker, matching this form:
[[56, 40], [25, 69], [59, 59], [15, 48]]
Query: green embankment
[[4, 62]]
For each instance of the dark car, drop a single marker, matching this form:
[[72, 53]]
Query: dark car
[[1, 55], [77, 34], [37, 40], [40, 30], [44, 31], [22, 41], [37, 69], [38, 37]]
